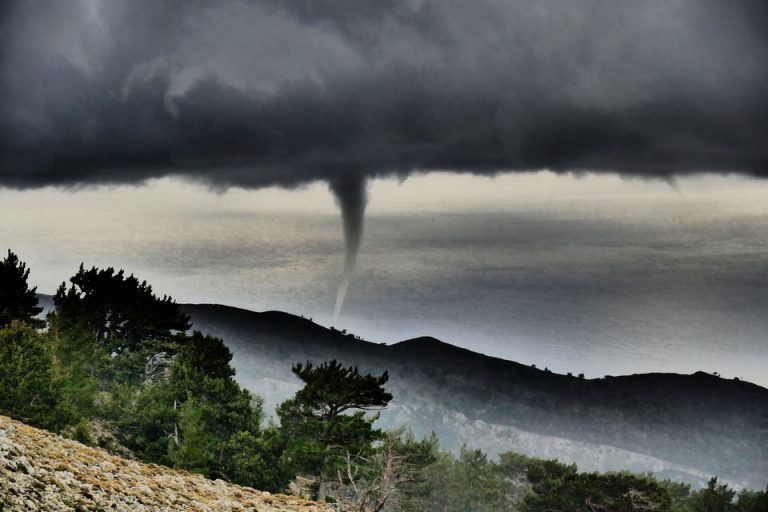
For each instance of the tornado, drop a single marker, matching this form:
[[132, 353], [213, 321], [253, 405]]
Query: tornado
[[350, 193]]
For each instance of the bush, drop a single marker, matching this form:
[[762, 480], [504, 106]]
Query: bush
[[82, 432]]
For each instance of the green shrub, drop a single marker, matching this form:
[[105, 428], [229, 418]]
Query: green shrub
[[82, 432]]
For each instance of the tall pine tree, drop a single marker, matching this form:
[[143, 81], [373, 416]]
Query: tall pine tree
[[119, 312], [17, 300], [325, 421]]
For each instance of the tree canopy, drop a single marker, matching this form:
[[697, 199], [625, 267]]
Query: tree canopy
[[28, 391], [17, 300], [320, 435], [331, 389], [119, 311]]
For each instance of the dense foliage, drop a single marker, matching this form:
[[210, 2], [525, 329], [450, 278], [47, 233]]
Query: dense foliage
[[17, 300], [320, 437], [514, 482], [117, 311], [116, 367], [28, 390]]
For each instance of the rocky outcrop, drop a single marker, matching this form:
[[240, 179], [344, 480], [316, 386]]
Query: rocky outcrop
[[40, 471]]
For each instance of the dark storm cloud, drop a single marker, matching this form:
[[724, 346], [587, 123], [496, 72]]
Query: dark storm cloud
[[283, 92]]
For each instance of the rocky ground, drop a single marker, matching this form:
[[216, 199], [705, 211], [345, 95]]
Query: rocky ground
[[40, 471]]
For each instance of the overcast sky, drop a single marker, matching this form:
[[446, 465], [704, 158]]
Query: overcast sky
[[340, 101], [593, 274], [259, 91]]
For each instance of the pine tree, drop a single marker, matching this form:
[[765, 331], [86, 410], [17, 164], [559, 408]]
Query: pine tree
[[17, 300], [325, 421], [191, 449], [716, 497], [119, 312], [28, 391]]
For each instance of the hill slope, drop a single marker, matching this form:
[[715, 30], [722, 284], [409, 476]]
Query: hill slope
[[679, 426], [45, 472]]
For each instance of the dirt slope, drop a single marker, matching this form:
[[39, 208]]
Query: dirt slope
[[40, 471]]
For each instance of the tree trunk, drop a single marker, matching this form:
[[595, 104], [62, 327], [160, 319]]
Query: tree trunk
[[322, 490]]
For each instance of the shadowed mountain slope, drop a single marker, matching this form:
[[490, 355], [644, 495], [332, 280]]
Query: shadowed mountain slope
[[679, 426]]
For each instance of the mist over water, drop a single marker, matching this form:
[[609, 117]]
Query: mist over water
[[594, 275]]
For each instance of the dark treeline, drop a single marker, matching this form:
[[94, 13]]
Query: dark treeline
[[115, 366]]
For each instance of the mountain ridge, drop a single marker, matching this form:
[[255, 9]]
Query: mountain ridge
[[698, 421]]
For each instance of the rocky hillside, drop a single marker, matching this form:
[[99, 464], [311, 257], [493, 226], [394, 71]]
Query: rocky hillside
[[40, 471]]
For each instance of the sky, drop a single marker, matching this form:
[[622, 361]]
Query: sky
[[594, 273], [538, 179]]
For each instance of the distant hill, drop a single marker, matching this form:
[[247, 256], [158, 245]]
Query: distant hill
[[685, 427], [43, 471]]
